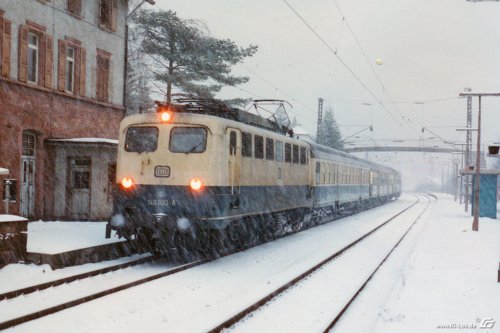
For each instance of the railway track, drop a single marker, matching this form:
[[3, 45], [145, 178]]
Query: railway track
[[245, 314], [39, 313], [13, 295], [69, 279]]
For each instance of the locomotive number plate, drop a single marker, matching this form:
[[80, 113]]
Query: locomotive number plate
[[162, 171]]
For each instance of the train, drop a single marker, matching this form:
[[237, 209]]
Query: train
[[199, 178]]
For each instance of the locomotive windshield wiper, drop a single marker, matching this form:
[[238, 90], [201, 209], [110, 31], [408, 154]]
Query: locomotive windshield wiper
[[193, 149]]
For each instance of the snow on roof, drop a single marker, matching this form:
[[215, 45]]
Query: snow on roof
[[86, 140], [299, 130], [4, 172], [11, 218]]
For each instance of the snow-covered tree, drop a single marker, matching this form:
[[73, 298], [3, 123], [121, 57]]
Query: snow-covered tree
[[139, 78], [188, 58], [329, 132]]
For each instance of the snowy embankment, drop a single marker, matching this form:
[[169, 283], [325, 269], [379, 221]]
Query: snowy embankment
[[444, 278]]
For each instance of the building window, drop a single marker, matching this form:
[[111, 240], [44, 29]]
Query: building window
[[35, 55], [81, 179], [33, 40], [28, 144], [103, 68], [70, 69], [75, 7], [71, 75], [107, 14]]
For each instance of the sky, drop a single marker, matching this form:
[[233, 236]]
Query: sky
[[429, 52]]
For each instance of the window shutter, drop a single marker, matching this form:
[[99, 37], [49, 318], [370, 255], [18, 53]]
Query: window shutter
[[75, 7], [114, 12], [103, 64], [99, 93], [41, 60], [105, 83], [83, 65], [49, 60], [6, 42], [23, 53], [76, 71], [61, 66]]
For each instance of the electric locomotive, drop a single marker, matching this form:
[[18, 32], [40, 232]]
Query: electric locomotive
[[204, 177]]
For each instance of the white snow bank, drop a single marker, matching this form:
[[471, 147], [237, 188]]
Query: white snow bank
[[11, 218], [56, 237]]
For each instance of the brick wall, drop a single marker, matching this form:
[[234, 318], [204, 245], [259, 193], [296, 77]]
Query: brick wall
[[48, 114]]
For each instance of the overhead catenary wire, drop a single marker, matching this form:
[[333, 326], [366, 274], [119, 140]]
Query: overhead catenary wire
[[344, 19], [341, 60]]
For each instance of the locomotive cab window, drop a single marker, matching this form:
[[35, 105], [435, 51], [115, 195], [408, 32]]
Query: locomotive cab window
[[141, 139], [188, 140]]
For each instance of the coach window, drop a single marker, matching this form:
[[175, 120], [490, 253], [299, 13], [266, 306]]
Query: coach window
[[269, 149], [303, 155], [141, 139], [295, 154], [279, 151], [246, 144], [188, 140], [259, 147], [288, 153], [318, 172]]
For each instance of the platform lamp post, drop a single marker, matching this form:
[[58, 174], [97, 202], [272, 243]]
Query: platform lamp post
[[475, 222]]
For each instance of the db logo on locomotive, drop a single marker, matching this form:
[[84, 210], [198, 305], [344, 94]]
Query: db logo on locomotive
[[162, 171]]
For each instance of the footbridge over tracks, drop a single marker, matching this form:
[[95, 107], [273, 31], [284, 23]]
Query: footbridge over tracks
[[403, 149]]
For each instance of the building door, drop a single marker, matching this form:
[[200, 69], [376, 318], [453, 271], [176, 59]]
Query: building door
[[234, 164], [80, 188], [27, 195]]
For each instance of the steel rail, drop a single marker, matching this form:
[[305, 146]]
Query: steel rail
[[240, 315], [68, 279], [360, 289], [85, 299]]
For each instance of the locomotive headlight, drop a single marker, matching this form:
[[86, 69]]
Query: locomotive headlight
[[165, 116], [196, 184], [127, 182]]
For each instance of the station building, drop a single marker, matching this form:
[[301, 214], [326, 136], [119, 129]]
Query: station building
[[62, 76]]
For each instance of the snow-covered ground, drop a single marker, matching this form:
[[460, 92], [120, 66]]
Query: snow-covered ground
[[442, 274], [56, 237]]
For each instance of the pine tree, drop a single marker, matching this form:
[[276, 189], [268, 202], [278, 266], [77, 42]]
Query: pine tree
[[191, 60], [329, 134]]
